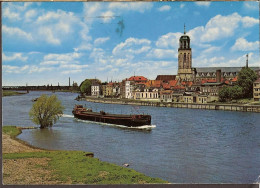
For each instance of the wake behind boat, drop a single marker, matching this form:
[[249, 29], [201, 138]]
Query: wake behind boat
[[135, 120]]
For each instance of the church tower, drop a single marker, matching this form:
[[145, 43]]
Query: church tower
[[184, 58]]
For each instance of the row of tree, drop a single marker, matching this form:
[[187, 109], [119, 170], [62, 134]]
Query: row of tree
[[243, 89]]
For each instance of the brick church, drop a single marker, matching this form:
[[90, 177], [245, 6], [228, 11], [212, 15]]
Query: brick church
[[196, 74]]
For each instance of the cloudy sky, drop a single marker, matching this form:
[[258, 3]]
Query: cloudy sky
[[46, 43]]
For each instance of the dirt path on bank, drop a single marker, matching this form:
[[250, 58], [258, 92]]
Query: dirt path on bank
[[24, 171]]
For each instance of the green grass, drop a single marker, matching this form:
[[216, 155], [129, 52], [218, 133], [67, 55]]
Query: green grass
[[13, 131], [10, 93], [76, 167]]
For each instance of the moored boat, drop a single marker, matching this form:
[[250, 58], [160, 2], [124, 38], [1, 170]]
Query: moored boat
[[135, 120]]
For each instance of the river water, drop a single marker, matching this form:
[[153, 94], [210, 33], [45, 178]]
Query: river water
[[186, 146]]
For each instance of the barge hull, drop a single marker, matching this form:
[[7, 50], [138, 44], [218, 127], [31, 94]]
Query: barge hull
[[125, 121]]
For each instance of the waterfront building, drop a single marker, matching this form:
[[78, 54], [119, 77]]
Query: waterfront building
[[142, 92], [166, 95], [212, 90], [129, 85], [95, 90], [227, 73], [256, 90], [108, 89], [202, 99]]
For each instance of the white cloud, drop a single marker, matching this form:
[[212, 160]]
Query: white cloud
[[249, 21], [211, 49], [15, 31], [132, 46], [29, 15], [131, 6], [164, 8], [170, 40], [242, 44], [251, 5], [25, 69], [53, 62], [10, 15], [91, 10], [36, 69], [162, 53], [205, 4], [182, 5], [56, 26], [73, 66], [220, 27], [48, 34], [102, 40], [71, 71], [11, 69], [62, 57], [107, 16], [15, 56]]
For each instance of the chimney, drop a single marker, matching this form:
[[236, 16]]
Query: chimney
[[218, 76]]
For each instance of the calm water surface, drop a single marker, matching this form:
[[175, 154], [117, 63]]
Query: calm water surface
[[187, 145]]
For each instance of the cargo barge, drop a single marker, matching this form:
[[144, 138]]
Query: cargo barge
[[135, 120]]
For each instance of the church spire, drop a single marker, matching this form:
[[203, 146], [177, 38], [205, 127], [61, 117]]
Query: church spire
[[184, 29]]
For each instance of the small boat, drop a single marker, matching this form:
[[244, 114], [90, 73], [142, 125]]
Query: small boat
[[135, 120]]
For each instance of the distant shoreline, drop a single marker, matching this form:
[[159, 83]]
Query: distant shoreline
[[207, 106]]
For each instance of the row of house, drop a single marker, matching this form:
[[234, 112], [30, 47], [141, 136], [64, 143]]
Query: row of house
[[166, 89]]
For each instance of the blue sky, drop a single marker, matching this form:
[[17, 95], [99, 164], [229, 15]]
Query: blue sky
[[46, 43]]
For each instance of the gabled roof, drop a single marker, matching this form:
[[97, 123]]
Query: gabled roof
[[154, 83], [137, 78]]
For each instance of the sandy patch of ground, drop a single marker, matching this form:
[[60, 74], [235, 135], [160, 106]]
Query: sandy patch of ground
[[24, 171], [10, 145]]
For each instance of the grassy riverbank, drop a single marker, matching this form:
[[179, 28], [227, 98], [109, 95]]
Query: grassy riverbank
[[36, 166], [11, 93]]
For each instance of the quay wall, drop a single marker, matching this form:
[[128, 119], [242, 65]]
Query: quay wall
[[227, 107]]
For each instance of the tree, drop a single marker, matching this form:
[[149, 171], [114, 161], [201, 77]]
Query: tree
[[236, 92], [228, 93], [46, 111], [224, 94], [246, 78], [85, 87]]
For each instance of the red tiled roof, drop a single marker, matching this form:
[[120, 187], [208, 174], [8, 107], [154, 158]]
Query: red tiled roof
[[234, 79], [137, 78], [188, 83], [166, 86], [172, 83], [154, 83]]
